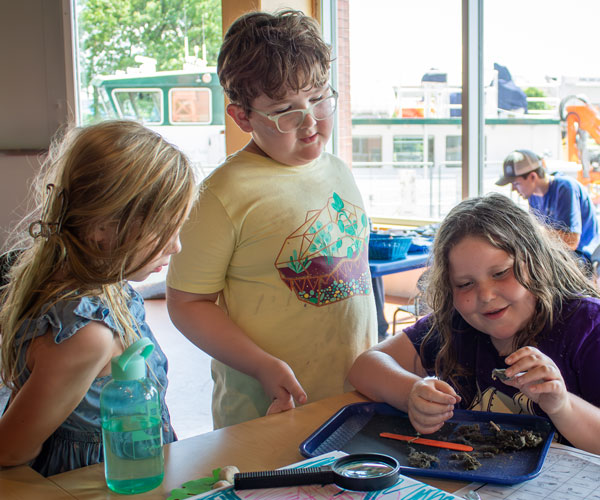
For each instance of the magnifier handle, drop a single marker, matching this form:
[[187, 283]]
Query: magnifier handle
[[282, 477]]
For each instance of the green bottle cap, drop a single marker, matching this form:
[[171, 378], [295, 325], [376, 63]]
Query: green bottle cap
[[131, 365]]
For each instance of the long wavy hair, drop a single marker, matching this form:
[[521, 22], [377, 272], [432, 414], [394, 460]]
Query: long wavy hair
[[542, 264], [117, 174]]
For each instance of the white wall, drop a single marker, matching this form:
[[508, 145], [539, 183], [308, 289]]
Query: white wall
[[36, 93], [16, 173]]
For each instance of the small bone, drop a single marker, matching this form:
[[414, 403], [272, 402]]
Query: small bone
[[499, 373], [495, 426]]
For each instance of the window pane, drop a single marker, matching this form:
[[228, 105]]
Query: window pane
[[190, 106], [408, 149], [366, 149], [142, 105], [525, 86], [453, 149], [154, 62], [406, 75]]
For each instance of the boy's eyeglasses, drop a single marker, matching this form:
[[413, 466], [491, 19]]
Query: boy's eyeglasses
[[292, 120]]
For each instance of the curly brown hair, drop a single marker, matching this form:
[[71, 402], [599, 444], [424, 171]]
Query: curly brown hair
[[543, 264], [270, 54]]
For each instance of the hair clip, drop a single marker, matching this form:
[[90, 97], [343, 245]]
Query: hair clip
[[46, 229]]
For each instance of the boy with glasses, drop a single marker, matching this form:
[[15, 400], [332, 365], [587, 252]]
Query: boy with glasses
[[273, 280]]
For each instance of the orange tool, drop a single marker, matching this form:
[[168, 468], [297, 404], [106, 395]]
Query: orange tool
[[427, 442]]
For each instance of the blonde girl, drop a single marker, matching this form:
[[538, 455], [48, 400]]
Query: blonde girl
[[112, 198]]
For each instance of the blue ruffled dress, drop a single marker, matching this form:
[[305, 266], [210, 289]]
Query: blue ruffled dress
[[78, 441]]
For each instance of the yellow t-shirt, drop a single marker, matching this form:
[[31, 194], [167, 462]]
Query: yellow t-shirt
[[288, 246]]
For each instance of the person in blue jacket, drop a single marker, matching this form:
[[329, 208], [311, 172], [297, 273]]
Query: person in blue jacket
[[559, 201]]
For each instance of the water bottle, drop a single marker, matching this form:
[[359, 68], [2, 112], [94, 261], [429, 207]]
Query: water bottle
[[131, 424]]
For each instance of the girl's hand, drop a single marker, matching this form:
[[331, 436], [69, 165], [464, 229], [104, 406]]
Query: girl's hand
[[541, 380], [430, 403], [281, 386]]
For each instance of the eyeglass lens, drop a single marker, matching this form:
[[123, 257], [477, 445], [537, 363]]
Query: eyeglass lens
[[293, 119]]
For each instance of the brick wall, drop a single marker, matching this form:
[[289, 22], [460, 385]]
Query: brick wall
[[345, 116]]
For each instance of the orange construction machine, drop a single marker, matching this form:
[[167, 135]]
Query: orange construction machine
[[582, 120]]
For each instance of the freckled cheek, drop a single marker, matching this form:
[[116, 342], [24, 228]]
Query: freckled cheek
[[464, 305]]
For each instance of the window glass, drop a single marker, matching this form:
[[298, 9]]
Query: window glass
[[190, 105], [406, 72], [154, 62], [453, 150], [408, 150], [526, 88], [366, 149], [142, 105]]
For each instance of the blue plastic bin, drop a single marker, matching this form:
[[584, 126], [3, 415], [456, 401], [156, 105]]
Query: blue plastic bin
[[387, 247]]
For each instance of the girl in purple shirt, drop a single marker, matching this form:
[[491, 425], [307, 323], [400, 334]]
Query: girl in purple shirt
[[505, 293]]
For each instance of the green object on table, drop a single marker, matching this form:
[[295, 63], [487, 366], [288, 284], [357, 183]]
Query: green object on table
[[195, 487]]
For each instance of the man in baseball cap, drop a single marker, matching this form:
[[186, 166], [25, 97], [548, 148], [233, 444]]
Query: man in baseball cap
[[519, 163], [558, 201]]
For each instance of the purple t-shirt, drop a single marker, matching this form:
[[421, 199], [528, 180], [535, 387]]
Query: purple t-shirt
[[573, 343]]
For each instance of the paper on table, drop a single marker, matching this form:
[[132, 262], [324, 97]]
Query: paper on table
[[406, 488], [567, 473]]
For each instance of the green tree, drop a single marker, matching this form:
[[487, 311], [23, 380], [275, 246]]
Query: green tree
[[112, 32], [535, 92]]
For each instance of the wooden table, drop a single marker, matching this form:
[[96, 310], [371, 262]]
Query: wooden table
[[265, 443], [23, 483]]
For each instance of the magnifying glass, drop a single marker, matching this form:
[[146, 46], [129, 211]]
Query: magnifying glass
[[359, 472]]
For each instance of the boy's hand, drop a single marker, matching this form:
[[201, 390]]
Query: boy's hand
[[430, 403], [280, 405], [280, 385], [541, 380]]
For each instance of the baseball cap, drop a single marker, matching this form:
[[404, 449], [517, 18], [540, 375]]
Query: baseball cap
[[519, 162]]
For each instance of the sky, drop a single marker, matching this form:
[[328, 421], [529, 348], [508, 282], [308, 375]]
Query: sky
[[400, 40]]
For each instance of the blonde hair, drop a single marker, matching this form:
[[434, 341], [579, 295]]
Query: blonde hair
[[542, 264], [270, 54], [115, 173]]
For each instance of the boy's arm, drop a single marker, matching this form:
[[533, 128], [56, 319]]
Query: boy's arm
[[568, 224], [207, 326], [571, 239]]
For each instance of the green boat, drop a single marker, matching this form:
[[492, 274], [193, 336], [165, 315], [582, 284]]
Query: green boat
[[185, 106]]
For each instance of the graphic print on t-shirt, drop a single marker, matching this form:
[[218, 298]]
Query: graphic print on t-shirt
[[494, 400], [326, 259]]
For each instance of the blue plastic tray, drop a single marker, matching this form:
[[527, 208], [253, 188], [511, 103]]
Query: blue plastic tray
[[356, 427]]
